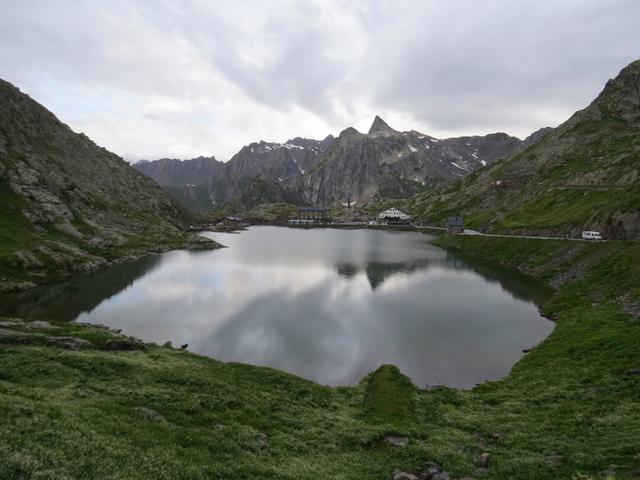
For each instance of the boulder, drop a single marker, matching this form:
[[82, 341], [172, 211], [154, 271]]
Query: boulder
[[263, 440], [404, 476], [395, 441], [150, 414]]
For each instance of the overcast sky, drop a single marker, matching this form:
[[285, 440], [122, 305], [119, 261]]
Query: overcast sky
[[155, 78]]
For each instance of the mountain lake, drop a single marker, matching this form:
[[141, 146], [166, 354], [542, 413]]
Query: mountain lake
[[329, 305]]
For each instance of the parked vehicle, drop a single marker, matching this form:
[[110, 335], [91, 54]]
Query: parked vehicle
[[591, 235]]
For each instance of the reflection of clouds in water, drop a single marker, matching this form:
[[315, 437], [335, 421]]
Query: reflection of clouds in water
[[192, 294], [307, 334], [331, 306], [341, 329]]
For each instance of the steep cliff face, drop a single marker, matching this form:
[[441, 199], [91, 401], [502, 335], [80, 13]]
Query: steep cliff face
[[170, 172], [66, 203], [204, 183], [385, 163], [263, 190], [583, 175]]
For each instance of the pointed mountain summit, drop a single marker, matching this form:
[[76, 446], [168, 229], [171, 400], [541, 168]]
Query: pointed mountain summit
[[380, 127]]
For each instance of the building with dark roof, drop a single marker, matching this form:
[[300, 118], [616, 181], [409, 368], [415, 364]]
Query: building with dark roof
[[455, 225], [313, 213]]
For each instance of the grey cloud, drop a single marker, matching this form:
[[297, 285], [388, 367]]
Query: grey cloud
[[233, 72]]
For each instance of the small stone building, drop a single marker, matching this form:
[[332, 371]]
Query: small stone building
[[455, 225], [316, 214]]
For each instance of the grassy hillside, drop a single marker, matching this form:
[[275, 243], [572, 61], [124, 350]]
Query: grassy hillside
[[118, 409], [68, 205], [581, 176]]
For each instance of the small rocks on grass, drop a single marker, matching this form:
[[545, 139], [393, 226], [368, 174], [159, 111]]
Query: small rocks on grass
[[11, 322], [263, 440], [70, 343], [429, 473], [485, 458], [218, 426], [555, 459], [11, 337], [83, 392], [632, 371], [40, 324], [398, 475], [124, 344], [595, 390], [395, 441], [433, 472], [150, 414]]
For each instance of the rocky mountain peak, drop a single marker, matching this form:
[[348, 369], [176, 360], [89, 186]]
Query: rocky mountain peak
[[537, 135], [349, 133], [621, 95], [380, 127]]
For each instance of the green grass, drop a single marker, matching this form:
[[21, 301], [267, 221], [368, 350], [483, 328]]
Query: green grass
[[557, 208], [389, 397], [569, 409], [14, 227]]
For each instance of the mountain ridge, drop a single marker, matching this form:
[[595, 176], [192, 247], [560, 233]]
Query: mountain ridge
[[384, 163], [582, 175]]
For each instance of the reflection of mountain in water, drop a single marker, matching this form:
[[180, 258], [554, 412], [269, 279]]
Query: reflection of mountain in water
[[378, 272], [521, 286], [66, 301]]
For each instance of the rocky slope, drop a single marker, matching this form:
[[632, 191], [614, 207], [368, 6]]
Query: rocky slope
[[583, 175], [204, 184], [169, 172], [67, 204], [263, 190], [385, 163]]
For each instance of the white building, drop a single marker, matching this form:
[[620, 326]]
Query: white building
[[591, 235], [394, 214]]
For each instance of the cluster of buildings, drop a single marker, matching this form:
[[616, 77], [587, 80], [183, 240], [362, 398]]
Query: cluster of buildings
[[390, 216]]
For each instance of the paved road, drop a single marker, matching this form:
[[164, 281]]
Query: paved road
[[474, 232]]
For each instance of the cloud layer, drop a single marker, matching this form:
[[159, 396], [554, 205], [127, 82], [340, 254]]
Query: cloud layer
[[152, 78]]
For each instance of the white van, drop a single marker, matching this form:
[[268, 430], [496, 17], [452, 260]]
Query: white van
[[588, 235]]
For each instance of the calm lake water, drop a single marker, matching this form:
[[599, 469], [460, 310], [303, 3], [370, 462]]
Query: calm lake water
[[328, 305]]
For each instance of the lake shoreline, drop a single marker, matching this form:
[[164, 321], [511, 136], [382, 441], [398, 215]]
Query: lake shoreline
[[371, 274], [192, 242], [276, 425]]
